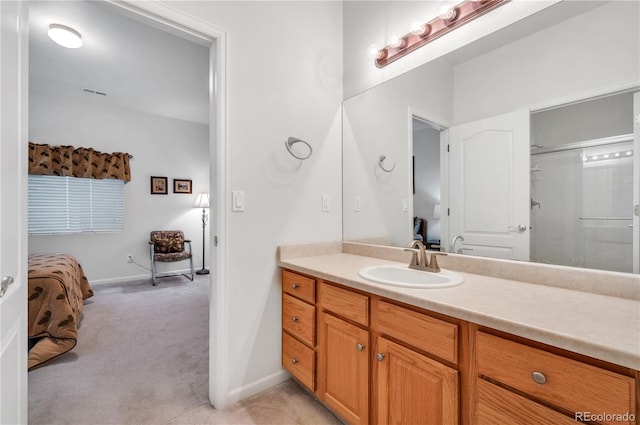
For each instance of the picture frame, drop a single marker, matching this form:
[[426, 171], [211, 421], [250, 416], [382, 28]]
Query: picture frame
[[159, 185], [181, 186]]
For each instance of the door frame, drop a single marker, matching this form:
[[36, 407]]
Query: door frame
[[443, 127], [216, 37]]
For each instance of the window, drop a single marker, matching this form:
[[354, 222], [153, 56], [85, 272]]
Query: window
[[72, 205]]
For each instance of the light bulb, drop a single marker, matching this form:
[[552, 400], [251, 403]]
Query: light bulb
[[447, 11], [375, 52], [398, 42], [628, 153], [617, 154], [65, 36], [605, 156], [420, 29]]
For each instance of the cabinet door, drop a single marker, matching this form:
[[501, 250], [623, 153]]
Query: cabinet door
[[412, 388], [343, 368]]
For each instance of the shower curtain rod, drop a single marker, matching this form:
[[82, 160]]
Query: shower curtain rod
[[584, 144]]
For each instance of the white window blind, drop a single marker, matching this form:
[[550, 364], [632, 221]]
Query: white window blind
[[72, 205]]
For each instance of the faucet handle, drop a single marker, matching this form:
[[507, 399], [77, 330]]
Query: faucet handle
[[433, 261], [414, 258]]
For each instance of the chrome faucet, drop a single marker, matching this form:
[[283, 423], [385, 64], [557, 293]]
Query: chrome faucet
[[453, 243], [420, 262]]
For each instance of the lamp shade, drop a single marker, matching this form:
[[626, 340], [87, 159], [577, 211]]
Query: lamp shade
[[202, 201]]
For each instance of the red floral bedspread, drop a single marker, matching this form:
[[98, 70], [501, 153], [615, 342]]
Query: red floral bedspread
[[57, 290]]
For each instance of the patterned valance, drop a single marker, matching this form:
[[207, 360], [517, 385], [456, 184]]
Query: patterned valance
[[78, 162]]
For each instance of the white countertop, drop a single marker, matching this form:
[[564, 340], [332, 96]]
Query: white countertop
[[600, 326]]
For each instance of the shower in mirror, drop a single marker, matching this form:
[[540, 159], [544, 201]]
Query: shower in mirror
[[582, 184]]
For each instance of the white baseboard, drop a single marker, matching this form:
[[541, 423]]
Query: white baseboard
[[258, 386], [124, 279]]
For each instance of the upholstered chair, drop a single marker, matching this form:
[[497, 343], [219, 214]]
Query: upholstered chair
[[169, 246]]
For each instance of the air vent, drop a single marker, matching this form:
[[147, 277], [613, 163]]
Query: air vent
[[94, 92]]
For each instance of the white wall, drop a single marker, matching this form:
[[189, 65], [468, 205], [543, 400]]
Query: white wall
[[284, 79], [376, 123], [160, 146], [566, 59]]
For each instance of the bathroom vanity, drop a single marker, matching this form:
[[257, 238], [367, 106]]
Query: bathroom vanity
[[489, 351]]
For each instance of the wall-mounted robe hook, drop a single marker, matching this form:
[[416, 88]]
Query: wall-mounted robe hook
[[386, 170], [292, 141]]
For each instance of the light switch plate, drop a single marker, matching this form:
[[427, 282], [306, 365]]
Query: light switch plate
[[237, 201], [405, 205], [326, 203], [357, 204]]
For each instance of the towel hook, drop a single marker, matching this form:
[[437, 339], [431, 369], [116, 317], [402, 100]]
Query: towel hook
[[292, 141], [381, 159]]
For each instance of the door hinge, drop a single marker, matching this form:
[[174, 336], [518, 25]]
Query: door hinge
[[215, 240], [448, 211], [448, 146]]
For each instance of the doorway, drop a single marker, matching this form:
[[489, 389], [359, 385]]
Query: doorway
[[162, 16]]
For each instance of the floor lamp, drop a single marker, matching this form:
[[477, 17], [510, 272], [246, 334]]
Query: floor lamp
[[202, 201]]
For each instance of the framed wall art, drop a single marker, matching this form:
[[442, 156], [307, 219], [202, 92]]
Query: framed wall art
[[181, 186], [159, 185]]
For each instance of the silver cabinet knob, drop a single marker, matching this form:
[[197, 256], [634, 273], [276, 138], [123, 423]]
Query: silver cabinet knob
[[539, 377], [295, 286], [380, 357], [6, 282], [294, 319], [294, 360], [360, 347]]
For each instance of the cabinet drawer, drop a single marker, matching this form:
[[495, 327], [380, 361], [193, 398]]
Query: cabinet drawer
[[299, 360], [432, 335], [299, 286], [570, 384], [299, 319], [345, 303], [496, 406]]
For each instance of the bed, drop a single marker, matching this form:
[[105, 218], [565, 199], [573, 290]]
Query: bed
[[57, 290]]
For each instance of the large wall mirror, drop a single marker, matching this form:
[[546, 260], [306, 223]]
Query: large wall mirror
[[518, 146]]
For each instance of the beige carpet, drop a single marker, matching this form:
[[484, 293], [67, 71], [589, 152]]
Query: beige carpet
[[142, 358]]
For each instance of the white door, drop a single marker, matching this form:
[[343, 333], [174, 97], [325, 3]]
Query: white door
[[636, 182], [489, 186], [13, 147]]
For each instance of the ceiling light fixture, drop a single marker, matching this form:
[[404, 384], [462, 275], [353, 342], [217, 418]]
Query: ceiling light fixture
[[422, 33], [65, 36]]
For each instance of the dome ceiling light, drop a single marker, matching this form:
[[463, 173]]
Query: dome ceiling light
[[65, 36]]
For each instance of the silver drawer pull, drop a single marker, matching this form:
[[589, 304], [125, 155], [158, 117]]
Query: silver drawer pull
[[539, 377], [380, 357], [294, 360], [294, 319], [295, 286], [360, 347]]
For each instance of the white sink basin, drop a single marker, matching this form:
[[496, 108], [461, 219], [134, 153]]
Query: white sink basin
[[409, 278]]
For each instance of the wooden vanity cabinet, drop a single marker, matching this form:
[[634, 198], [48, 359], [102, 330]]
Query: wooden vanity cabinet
[[299, 327], [383, 362], [545, 385], [409, 386], [343, 352]]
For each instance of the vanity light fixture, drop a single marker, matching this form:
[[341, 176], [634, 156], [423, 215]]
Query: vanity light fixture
[[606, 156], [422, 33], [65, 36]]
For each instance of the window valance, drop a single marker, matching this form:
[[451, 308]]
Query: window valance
[[78, 162]]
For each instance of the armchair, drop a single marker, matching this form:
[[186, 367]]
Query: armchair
[[169, 246]]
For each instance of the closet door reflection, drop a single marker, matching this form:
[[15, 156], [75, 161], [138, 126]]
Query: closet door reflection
[[582, 205]]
